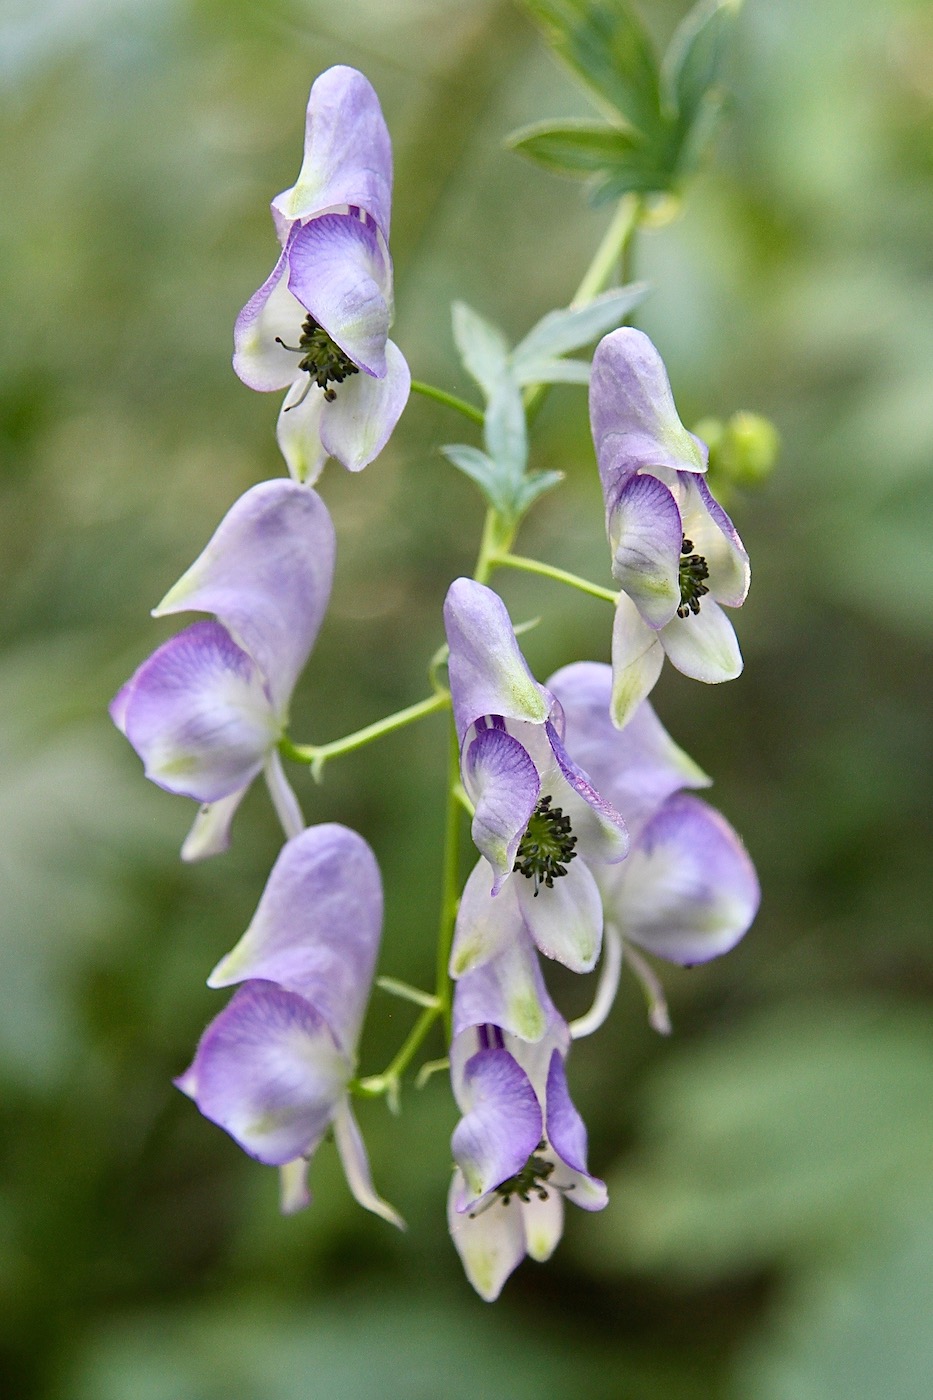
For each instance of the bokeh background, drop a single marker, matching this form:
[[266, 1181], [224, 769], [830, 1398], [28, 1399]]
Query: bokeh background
[[770, 1232]]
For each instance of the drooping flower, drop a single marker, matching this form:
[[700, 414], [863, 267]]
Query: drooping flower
[[273, 1068], [520, 1148], [206, 710], [319, 324], [675, 552], [539, 822], [688, 891]]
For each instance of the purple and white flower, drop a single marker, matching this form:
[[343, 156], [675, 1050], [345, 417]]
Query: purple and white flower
[[688, 891], [675, 552], [539, 822], [520, 1148], [273, 1068], [319, 324], [207, 709]]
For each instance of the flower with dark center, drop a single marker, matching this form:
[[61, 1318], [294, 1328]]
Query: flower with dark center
[[331, 290], [535, 809], [672, 544]]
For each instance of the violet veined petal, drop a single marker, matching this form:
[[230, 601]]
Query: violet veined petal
[[340, 273], [600, 830], [358, 424], [486, 923], [267, 1071], [544, 1225], [317, 928], [689, 891], [501, 1126], [703, 645], [355, 1163], [488, 674], [267, 575], [270, 313], [567, 1135], [636, 768], [507, 991], [298, 430], [635, 424], [645, 533], [715, 537], [347, 155], [637, 658], [491, 1242], [198, 714], [502, 782], [566, 921], [210, 830]]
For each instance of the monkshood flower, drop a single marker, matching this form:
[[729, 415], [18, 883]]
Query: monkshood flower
[[207, 709], [675, 553], [688, 891], [273, 1068], [520, 1148], [539, 822], [319, 324]]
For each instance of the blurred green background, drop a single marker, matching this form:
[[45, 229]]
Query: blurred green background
[[770, 1232]]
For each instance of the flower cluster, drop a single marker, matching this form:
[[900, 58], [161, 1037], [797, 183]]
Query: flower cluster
[[592, 847]]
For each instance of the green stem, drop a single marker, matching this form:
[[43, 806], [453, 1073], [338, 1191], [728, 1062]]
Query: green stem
[[317, 754], [429, 391], [535, 566]]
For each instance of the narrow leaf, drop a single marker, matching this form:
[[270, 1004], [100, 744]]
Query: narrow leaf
[[505, 430], [483, 348], [695, 57], [568, 329], [548, 371], [534, 486], [604, 43], [575, 148]]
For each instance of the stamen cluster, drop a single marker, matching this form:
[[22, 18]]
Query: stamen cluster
[[693, 570], [530, 1180], [546, 848], [321, 358]]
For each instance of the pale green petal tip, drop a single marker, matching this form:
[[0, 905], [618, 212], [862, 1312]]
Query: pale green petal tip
[[230, 968], [527, 1016]]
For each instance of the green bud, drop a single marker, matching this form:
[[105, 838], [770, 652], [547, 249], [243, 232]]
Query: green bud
[[743, 451]]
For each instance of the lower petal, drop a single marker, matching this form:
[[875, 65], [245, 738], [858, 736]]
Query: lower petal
[[355, 1164], [704, 645], [486, 923], [544, 1225], [503, 783], [646, 534], [637, 658], [358, 424], [210, 831], [298, 431], [565, 921], [491, 1242], [501, 1126]]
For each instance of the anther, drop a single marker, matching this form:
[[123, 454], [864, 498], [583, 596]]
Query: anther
[[546, 847], [321, 359], [693, 570]]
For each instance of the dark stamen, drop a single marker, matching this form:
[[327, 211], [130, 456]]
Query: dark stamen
[[693, 570], [322, 359], [546, 847]]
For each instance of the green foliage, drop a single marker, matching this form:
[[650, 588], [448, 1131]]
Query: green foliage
[[661, 113]]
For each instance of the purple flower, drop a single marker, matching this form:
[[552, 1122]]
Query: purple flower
[[688, 891], [675, 552], [273, 1068], [207, 709], [538, 820], [319, 323], [520, 1147]]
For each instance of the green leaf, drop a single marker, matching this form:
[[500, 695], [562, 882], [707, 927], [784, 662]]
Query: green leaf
[[505, 429], [572, 327], [548, 371], [576, 148], [533, 486], [604, 44], [483, 348], [693, 63], [483, 471]]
